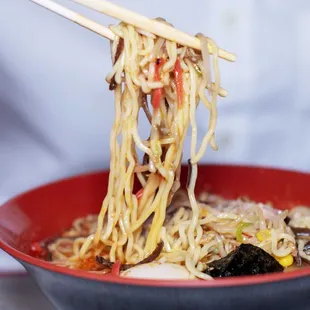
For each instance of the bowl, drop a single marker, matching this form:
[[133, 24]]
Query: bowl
[[48, 210]]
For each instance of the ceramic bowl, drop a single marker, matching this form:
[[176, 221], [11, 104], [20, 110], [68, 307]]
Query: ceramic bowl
[[48, 210]]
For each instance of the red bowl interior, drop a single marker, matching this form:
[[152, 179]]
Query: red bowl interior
[[50, 209]]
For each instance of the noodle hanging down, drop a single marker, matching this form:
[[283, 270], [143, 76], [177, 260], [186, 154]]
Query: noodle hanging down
[[167, 82]]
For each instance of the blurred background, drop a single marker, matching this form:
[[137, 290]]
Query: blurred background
[[56, 111]]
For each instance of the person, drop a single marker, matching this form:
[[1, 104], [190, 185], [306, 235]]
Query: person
[[56, 110]]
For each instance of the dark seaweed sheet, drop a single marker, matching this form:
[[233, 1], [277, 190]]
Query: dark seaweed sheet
[[246, 260]]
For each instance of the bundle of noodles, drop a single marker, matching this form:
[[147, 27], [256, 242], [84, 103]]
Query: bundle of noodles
[[131, 225], [176, 79]]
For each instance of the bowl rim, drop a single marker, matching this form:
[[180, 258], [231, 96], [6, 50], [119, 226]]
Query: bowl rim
[[112, 279]]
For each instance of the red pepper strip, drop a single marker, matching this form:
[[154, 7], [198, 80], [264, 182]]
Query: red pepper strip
[[116, 268], [178, 76], [139, 193], [158, 92], [247, 235]]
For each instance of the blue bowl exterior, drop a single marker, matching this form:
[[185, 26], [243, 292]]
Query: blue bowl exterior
[[72, 293]]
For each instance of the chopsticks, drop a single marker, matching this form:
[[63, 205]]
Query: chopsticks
[[149, 25], [107, 33], [76, 18], [129, 17]]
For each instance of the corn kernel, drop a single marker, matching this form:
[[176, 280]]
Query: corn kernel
[[263, 235], [203, 212], [285, 261]]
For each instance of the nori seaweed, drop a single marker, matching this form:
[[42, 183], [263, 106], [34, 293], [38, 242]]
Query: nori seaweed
[[246, 260]]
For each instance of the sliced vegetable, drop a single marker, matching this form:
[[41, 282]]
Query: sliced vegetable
[[116, 268], [241, 226], [301, 232], [178, 76], [148, 259], [101, 260], [306, 248], [158, 92], [298, 258]]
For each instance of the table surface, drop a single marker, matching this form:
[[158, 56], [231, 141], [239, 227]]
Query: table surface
[[21, 293]]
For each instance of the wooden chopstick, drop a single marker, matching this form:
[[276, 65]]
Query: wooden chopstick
[[149, 25], [76, 18], [88, 23]]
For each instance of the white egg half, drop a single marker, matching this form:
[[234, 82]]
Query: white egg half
[[158, 271]]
